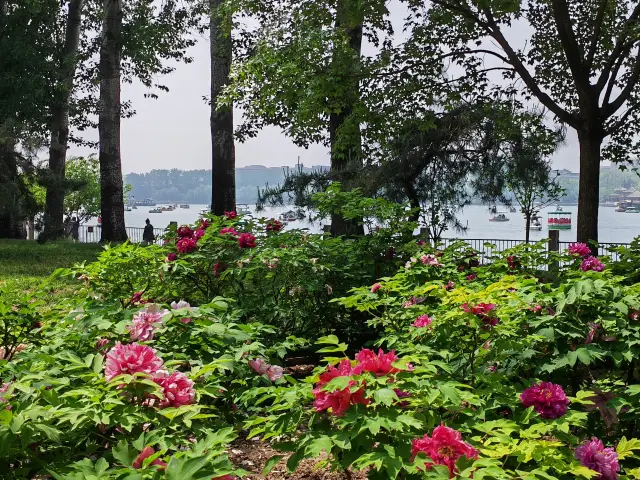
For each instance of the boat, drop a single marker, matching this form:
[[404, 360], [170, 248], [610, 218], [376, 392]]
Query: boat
[[289, 216], [621, 208], [127, 208], [184, 206], [513, 209], [632, 210], [243, 209], [536, 224], [559, 209], [168, 208], [500, 217], [155, 210], [559, 220], [147, 202], [134, 207], [206, 210]]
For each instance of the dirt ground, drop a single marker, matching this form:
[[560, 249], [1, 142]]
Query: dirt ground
[[252, 455]]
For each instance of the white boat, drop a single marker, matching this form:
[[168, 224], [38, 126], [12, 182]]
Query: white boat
[[243, 209], [185, 206], [206, 210], [289, 216], [500, 217], [127, 208], [155, 210]]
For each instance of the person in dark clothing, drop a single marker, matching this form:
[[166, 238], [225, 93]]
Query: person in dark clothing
[[147, 236], [75, 229]]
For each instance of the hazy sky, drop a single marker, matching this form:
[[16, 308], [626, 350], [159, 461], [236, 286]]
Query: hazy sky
[[173, 131]]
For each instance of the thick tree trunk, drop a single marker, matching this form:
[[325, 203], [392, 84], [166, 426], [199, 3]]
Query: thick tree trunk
[[111, 184], [223, 156], [60, 123], [589, 194], [345, 139]]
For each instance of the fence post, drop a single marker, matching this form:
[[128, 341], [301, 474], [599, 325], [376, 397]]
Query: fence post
[[554, 245]]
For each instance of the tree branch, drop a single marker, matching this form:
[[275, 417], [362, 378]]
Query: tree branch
[[623, 118], [609, 109], [570, 44], [597, 26]]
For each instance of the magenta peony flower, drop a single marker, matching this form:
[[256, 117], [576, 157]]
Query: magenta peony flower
[[204, 224], [471, 277], [172, 257], [338, 401], [198, 234], [274, 225], [146, 453], [186, 245], [421, 243], [218, 268], [177, 389], [444, 447], [130, 359], [376, 287], [136, 297], [422, 321], [231, 215], [579, 250], [274, 372], [449, 286], [229, 231], [546, 398], [483, 312], [513, 262], [591, 263], [185, 232], [247, 240], [259, 366], [378, 364], [593, 327], [594, 456]]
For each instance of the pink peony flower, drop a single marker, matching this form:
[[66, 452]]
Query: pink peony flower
[[130, 359], [231, 215], [247, 240], [185, 232], [536, 308], [101, 343], [259, 366], [172, 257], [579, 250], [146, 453], [338, 401], [375, 287], [593, 327], [546, 398], [422, 321], [145, 322], [182, 305], [186, 245], [274, 372], [444, 447], [177, 389], [594, 456], [430, 260], [483, 312], [229, 231], [591, 263], [449, 286], [379, 364], [4, 388]]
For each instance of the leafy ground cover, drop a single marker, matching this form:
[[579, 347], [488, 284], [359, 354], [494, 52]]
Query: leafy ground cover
[[236, 348]]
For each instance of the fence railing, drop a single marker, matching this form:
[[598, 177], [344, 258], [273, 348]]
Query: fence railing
[[93, 234]]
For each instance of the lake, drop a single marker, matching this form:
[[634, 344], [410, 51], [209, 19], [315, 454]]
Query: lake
[[613, 226]]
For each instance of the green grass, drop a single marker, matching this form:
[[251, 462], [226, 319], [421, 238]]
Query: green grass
[[25, 265]]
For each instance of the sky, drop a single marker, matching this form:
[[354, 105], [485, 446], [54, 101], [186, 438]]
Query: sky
[[173, 130]]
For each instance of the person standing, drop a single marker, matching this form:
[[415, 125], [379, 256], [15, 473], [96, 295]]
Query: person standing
[[147, 236], [75, 229]]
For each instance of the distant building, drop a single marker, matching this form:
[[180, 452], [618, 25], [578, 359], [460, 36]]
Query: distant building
[[564, 173]]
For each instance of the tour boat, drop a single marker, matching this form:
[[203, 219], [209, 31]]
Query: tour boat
[[243, 209], [632, 210], [559, 220], [289, 216], [185, 206], [501, 217], [155, 210]]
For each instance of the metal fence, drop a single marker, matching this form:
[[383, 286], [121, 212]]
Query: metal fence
[[93, 234], [498, 245]]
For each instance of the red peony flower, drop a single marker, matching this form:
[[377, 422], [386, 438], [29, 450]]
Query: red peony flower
[[177, 389], [146, 453], [471, 277], [231, 215], [444, 447], [186, 245], [229, 231], [172, 257], [247, 240], [218, 268], [594, 456], [338, 401], [579, 250], [185, 232], [130, 359], [204, 224], [422, 321], [198, 234], [379, 364], [546, 398], [376, 287], [513, 262], [274, 225]]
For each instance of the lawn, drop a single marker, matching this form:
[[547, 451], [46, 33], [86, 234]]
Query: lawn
[[25, 265]]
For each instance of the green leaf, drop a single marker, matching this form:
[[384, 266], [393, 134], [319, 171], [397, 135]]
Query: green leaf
[[385, 396], [272, 462]]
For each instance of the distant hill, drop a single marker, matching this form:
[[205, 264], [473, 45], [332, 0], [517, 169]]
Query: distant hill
[[194, 186]]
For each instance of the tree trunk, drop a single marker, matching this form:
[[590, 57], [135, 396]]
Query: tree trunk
[[414, 201], [223, 155], [527, 226], [589, 193], [111, 184], [60, 123], [345, 145]]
